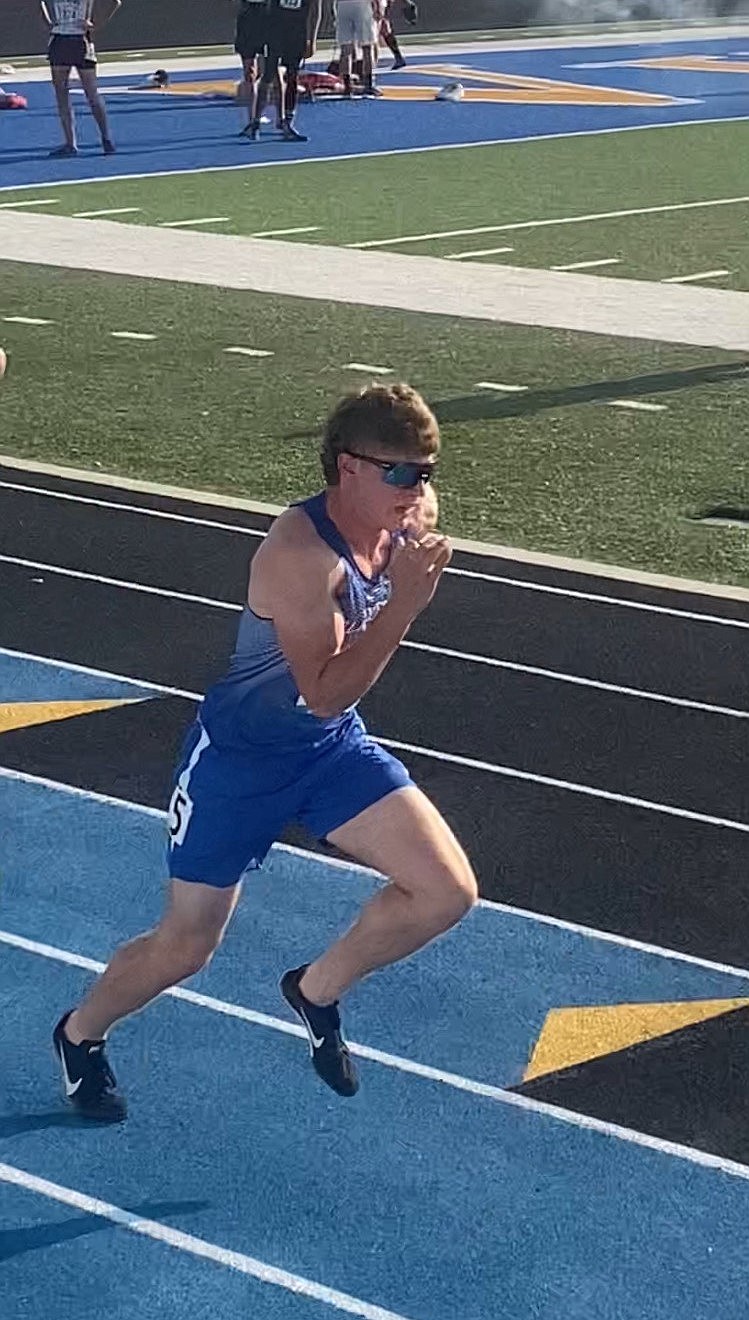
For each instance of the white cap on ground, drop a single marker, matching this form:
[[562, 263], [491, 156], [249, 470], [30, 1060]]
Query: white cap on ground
[[452, 91]]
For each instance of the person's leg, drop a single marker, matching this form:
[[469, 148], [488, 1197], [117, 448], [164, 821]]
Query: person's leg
[[184, 941], [247, 90], [269, 75], [347, 56], [61, 84], [291, 133], [96, 103], [367, 67], [432, 886]]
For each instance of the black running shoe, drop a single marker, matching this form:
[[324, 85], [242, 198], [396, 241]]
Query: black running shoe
[[62, 153], [108, 147], [330, 1057], [90, 1084], [251, 131], [291, 134]]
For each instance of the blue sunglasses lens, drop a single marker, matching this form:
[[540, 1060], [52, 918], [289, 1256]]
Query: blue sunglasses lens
[[407, 475]]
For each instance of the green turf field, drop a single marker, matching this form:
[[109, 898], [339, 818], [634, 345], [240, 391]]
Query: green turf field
[[554, 468], [386, 198]]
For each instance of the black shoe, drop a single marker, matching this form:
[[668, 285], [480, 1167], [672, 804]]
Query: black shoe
[[371, 90], [291, 134], [399, 63], [108, 147], [330, 1057], [90, 1084], [62, 153]]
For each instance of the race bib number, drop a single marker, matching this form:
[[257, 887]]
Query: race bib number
[[290, 4], [178, 816]]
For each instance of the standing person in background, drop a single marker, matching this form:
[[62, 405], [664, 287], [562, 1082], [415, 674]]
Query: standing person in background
[[293, 26], [250, 42], [356, 25], [71, 23], [387, 33]]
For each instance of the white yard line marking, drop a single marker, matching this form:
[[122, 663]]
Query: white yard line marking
[[281, 233], [557, 220], [249, 352], [194, 1246], [456, 1081], [700, 275], [27, 320], [112, 210], [204, 220], [635, 405], [587, 265], [129, 334], [364, 366], [36, 201], [496, 385], [477, 252]]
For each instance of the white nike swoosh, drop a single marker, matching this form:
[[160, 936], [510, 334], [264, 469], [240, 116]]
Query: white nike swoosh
[[313, 1040], [70, 1087]]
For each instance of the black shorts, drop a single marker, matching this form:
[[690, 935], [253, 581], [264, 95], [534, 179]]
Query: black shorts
[[71, 53], [252, 33], [287, 40]]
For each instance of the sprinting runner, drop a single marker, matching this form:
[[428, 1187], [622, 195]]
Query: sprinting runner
[[71, 24], [293, 26], [333, 590]]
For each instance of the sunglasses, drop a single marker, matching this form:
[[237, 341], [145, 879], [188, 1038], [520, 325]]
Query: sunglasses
[[404, 475]]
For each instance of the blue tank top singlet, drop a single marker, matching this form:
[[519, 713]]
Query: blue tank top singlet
[[257, 703]]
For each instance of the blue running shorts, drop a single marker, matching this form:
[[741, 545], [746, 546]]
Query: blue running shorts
[[229, 806]]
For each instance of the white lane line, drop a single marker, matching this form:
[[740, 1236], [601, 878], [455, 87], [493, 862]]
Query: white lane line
[[597, 599], [497, 385], [588, 265], [54, 663], [119, 582], [35, 201], [557, 220], [470, 763], [566, 785], [477, 252], [455, 1081], [203, 220], [490, 550], [129, 334], [365, 366], [635, 405], [389, 152], [521, 584], [281, 233], [578, 680], [27, 320], [194, 1246], [249, 352], [111, 210], [134, 508], [504, 909], [699, 275]]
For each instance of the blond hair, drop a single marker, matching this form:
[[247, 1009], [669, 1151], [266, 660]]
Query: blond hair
[[391, 419]]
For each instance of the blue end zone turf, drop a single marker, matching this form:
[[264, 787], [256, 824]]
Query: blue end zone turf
[[161, 132]]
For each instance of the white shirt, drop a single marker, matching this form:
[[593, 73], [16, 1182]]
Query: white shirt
[[70, 18]]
